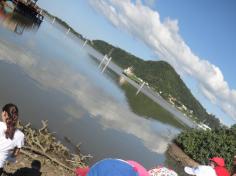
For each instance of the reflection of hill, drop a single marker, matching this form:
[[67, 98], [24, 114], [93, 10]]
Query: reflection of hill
[[160, 76], [16, 22], [144, 106]]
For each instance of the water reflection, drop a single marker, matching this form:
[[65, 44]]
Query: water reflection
[[15, 21], [151, 110], [92, 98], [89, 107]]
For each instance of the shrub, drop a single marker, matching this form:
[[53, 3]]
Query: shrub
[[201, 145]]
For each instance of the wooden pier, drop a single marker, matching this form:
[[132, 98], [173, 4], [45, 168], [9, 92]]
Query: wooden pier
[[29, 8]]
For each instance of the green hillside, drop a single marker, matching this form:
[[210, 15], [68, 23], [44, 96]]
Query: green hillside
[[162, 77]]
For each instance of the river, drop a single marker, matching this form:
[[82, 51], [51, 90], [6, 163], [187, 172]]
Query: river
[[49, 75]]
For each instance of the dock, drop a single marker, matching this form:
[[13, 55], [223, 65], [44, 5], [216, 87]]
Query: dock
[[29, 8]]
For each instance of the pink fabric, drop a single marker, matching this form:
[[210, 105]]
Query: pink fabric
[[81, 171], [139, 168]]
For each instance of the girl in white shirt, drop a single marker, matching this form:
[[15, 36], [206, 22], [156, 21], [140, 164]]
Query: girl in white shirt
[[11, 139]]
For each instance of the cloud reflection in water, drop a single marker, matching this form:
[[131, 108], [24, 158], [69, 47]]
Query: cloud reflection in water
[[55, 74]]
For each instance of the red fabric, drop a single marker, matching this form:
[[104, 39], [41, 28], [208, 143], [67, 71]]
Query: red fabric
[[218, 160], [221, 171], [82, 171], [138, 168]]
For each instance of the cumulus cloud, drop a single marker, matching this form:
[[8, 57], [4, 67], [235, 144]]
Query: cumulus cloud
[[164, 39]]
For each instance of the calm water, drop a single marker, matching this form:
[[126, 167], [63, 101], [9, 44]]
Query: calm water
[[50, 76]]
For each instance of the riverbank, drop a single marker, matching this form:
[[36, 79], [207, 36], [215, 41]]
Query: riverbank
[[56, 159], [40, 144], [179, 156], [47, 169], [51, 169]]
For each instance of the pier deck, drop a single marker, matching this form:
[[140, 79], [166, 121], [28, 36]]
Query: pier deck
[[29, 8]]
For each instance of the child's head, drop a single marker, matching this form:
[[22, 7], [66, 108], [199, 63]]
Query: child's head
[[36, 164], [10, 117]]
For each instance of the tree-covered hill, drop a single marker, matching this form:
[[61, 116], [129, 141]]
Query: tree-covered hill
[[161, 76]]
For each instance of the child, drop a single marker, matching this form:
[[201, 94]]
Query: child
[[11, 139]]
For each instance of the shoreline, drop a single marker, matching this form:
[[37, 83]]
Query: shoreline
[[179, 156], [60, 161], [42, 145], [49, 168]]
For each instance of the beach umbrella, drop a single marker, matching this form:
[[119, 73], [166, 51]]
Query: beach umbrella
[[112, 167], [139, 168], [162, 171]]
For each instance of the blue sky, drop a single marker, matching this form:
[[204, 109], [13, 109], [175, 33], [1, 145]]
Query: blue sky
[[204, 28], [209, 28]]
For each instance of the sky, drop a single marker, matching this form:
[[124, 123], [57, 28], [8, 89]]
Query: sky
[[198, 38]]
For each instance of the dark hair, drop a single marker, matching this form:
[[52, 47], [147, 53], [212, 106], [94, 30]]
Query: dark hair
[[36, 164], [12, 112]]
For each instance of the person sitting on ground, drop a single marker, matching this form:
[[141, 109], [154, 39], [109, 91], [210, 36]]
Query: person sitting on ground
[[218, 164], [26, 171], [201, 170], [11, 139]]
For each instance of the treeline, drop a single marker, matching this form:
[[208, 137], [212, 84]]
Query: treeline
[[64, 24], [162, 77], [201, 145]]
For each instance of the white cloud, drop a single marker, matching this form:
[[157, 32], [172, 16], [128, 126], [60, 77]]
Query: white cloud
[[164, 38]]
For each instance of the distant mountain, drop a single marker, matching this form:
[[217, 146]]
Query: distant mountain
[[162, 77]]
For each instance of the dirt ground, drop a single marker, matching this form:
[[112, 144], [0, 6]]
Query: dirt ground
[[55, 157], [177, 153], [47, 168]]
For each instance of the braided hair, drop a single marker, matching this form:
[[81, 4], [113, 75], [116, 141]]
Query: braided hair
[[12, 112]]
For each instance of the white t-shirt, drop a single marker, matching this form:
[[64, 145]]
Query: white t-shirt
[[7, 145]]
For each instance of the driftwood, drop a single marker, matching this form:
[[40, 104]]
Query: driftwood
[[44, 143]]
